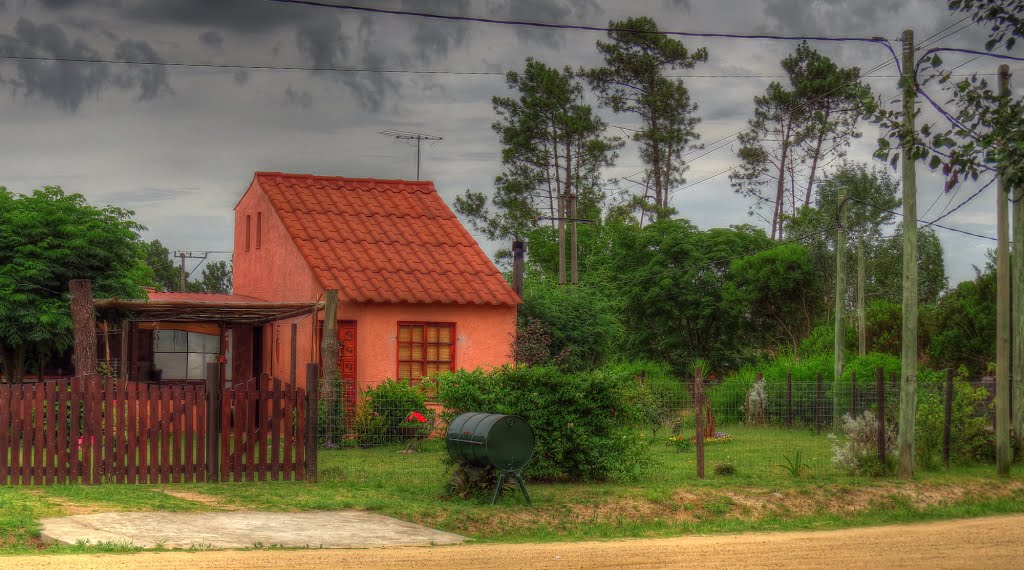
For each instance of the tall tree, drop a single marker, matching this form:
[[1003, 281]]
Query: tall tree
[[216, 278], [796, 130], [554, 147], [48, 238], [165, 276], [633, 80]]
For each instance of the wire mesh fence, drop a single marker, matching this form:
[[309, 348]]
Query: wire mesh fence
[[768, 425]]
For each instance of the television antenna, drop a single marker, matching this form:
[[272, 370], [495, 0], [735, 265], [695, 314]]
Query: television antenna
[[411, 136]]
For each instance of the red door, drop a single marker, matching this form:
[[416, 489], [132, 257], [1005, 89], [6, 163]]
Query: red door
[[347, 366]]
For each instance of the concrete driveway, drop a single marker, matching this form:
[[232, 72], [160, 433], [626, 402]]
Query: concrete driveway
[[317, 529]]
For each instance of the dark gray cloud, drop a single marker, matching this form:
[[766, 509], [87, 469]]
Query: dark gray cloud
[[236, 15], [829, 16], [555, 11], [212, 39], [322, 42], [301, 98], [150, 79], [67, 83]]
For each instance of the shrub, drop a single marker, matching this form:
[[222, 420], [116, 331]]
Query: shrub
[[970, 438], [383, 410], [857, 452], [663, 399], [581, 422]]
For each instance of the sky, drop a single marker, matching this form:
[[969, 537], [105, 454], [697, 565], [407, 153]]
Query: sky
[[179, 145]]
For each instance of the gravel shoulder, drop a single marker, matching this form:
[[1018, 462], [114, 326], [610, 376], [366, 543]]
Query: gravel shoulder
[[984, 542]]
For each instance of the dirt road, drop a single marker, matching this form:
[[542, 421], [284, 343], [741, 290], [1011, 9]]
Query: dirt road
[[994, 542]]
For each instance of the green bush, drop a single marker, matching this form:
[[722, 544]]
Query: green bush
[[382, 410], [665, 395], [581, 422], [970, 438]]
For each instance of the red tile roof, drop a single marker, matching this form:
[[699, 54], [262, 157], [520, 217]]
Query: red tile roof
[[209, 297], [384, 241]]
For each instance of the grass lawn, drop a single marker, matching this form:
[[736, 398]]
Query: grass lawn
[[666, 500]]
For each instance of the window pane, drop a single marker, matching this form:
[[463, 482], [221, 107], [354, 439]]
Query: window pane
[[170, 341], [417, 352], [203, 343], [197, 364], [174, 365], [417, 333], [431, 368], [431, 352], [404, 333], [432, 334], [445, 334], [444, 354], [403, 370], [416, 370], [404, 352]]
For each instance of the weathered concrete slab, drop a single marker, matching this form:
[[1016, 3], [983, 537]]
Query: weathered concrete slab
[[318, 529]]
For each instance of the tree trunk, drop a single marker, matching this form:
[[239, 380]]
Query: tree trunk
[[780, 189], [83, 319], [814, 167]]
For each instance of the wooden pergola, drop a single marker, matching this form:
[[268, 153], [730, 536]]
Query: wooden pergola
[[208, 317]]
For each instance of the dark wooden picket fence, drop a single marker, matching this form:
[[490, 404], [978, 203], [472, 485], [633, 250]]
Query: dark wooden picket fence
[[94, 430], [265, 438]]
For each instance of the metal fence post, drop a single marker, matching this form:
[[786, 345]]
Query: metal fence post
[[213, 418], [818, 411], [698, 399], [880, 379], [853, 393], [948, 423], [312, 415], [789, 399]]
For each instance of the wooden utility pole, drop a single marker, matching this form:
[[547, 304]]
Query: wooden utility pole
[[908, 377], [182, 275], [517, 267], [839, 352], [575, 272], [1003, 311], [862, 319], [83, 322], [561, 239], [329, 354], [1017, 303]]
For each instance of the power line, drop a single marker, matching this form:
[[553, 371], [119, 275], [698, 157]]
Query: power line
[[933, 222], [579, 27]]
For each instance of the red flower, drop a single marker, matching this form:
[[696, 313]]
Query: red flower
[[417, 417]]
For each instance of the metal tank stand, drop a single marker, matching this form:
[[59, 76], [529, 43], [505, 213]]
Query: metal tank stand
[[502, 477]]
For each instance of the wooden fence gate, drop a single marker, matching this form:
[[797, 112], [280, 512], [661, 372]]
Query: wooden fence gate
[[94, 430]]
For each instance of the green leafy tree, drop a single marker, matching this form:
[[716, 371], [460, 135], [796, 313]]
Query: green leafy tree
[[885, 268], [963, 325], [554, 147], [48, 238], [781, 287], [672, 280], [633, 80], [794, 129], [216, 278], [165, 276]]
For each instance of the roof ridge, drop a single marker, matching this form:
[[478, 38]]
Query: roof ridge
[[307, 176]]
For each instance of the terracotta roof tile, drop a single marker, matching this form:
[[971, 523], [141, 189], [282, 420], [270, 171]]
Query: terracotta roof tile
[[384, 241]]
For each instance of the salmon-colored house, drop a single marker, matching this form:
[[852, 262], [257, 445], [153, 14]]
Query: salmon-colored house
[[416, 293]]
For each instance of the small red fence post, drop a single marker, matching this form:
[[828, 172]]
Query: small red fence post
[[312, 401], [698, 402], [213, 422]]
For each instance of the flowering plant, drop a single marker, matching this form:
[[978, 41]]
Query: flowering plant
[[681, 442], [719, 437]]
